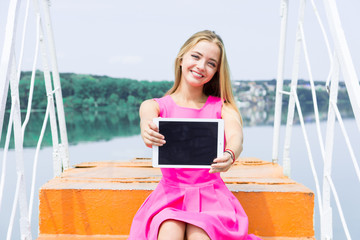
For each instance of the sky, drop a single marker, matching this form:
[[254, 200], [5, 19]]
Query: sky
[[139, 39]]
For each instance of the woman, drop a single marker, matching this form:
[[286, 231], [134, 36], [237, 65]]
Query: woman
[[194, 203]]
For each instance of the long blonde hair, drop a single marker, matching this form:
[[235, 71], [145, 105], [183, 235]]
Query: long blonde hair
[[220, 84]]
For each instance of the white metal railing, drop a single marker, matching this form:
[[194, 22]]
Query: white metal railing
[[10, 75], [341, 59]]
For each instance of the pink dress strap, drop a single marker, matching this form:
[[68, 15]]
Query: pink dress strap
[[168, 108]]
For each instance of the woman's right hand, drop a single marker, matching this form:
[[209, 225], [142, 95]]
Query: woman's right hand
[[150, 134]]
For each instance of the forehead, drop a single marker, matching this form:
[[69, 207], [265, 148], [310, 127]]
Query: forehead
[[207, 49]]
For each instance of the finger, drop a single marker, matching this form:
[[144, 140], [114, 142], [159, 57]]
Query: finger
[[219, 160], [154, 141], [153, 126], [224, 158], [220, 167], [215, 169], [153, 130], [151, 136], [154, 136], [150, 143]]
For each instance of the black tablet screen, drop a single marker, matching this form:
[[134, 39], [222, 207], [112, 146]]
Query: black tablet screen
[[188, 143]]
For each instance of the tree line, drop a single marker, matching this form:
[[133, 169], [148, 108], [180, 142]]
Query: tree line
[[83, 92]]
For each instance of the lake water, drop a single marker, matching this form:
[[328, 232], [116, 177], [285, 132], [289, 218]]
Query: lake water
[[257, 143]]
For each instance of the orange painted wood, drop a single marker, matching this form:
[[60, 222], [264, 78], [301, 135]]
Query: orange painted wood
[[100, 199], [278, 213], [87, 212], [125, 237], [122, 237], [81, 237]]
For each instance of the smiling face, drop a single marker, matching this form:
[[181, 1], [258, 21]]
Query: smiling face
[[200, 63]]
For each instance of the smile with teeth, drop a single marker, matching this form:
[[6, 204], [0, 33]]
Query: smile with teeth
[[197, 74]]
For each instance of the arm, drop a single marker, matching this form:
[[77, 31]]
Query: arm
[[234, 139], [149, 110]]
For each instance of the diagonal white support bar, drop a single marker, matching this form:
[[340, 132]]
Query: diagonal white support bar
[[64, 153], [313, 92], [347, 140], [326, 223], [6, 56], [343, 53], [13, 210], [6, 148], [57, 164], [326, 39], [337, 201], [280, 80], [32, 82], [308, 148], [23, 39], [294, 81], [25, 229], [36, 160]]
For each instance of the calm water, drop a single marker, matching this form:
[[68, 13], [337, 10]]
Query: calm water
[[105, 146]]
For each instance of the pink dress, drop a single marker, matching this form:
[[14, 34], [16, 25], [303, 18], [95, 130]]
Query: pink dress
[[191, 195]]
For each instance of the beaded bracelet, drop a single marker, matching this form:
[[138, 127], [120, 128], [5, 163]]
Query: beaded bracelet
[[232, 155]]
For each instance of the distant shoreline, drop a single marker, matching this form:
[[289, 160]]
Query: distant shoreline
[[87, 91]]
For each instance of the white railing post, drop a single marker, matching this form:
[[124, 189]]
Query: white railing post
[[279, 80], [326, 219], [64, 151], [9, 41], [294, 80], [5, 64], [57, 163], [25, 229], [8, 75], [345, 60]]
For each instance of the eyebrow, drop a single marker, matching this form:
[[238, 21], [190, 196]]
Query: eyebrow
[[203, 55]]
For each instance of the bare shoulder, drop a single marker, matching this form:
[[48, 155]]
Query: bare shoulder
[[150, 106], [150, 103], [228, 111]]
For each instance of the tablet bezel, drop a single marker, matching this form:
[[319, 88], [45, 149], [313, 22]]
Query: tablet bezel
[[220, 144]]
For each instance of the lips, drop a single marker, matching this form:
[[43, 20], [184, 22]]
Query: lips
[[196, 74]]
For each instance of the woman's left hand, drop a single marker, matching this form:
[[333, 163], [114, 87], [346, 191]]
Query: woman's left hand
[[221, 164]]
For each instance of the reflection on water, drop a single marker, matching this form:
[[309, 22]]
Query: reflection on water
[[87, 126], [95, 125], [90, 126], [263, 114]]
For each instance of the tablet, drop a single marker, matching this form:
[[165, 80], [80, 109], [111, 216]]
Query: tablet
[[190, 142]]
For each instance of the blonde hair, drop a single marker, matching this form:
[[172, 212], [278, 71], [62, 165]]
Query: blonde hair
[[220, 84]]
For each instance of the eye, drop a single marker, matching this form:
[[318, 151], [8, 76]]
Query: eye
[[195, 56], [212, 64]]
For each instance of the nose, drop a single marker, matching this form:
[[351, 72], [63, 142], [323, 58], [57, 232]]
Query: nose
[[201, 65]]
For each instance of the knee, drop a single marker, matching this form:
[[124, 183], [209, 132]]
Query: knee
[[197, 237], [196, 233], [171, 229]]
